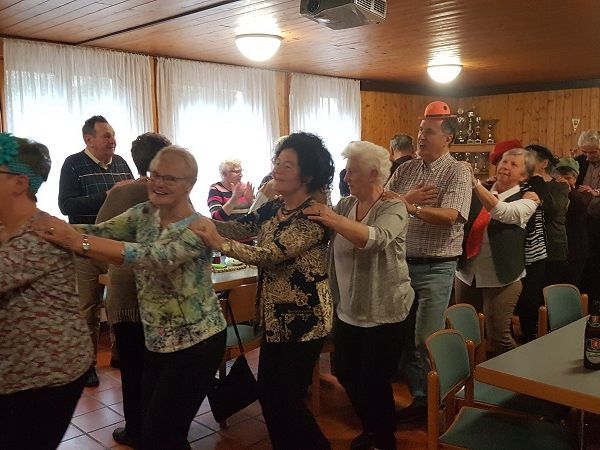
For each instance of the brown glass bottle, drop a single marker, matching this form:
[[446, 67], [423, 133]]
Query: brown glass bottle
[[591, 343]]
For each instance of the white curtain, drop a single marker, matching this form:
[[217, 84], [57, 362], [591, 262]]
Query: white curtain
[[329, 107], [52, 89], [219, 112]]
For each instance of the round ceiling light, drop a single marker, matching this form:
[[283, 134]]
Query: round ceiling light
[[444, 73], [258, 47]]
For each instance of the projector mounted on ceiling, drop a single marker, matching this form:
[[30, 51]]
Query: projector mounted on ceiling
[[340, 14]]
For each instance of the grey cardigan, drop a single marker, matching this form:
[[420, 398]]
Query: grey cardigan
[[380, 287]]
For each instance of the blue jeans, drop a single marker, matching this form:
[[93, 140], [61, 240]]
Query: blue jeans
[[432, 284]]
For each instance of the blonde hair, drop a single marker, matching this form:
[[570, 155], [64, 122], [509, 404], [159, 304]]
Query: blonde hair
[[178, 152], [371, 156], [228, 165]]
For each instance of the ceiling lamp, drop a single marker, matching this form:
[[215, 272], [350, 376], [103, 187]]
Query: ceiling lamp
[[444, 73], [258, 47]]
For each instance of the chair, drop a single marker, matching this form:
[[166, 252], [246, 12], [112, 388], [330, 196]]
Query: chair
[[471, 325], [472, 428], [242, 300], [563, 304]]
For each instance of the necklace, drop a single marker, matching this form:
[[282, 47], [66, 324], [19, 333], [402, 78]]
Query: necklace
[[368, 210], [287, 212]]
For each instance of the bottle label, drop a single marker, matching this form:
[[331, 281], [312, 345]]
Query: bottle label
[[592, 350]]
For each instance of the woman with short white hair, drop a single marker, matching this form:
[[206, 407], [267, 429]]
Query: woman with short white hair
[[229, 198], [371, 289]]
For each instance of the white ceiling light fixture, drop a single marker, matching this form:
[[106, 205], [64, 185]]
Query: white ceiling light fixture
[[443, 73], [258, 47]]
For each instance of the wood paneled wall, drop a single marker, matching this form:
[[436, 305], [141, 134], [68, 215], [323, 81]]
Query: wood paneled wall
[[533, 117]]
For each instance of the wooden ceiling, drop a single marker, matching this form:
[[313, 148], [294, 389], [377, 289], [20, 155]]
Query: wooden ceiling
[[499, 43]]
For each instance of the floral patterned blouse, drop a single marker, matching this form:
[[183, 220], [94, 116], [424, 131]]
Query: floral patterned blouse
[[294, 301], [44, 340], [172, 267]]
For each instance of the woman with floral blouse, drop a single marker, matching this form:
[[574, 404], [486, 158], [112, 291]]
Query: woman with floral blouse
[[45, 347], [294, 302], [184, 327]]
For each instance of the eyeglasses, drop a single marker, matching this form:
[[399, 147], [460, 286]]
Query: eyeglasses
[[168, 180], [236, 171]]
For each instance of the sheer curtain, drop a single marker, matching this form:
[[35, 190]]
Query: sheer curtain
[[329, 107], [219, 112], [52, 89]]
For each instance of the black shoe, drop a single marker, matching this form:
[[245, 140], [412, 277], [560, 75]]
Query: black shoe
[[415, 412], [92, 378], [363, 441], [121, 437]]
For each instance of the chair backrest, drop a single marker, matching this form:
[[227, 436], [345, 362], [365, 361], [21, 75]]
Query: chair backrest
[[450, 359], [463, 317], [242, 300], [563, 302]]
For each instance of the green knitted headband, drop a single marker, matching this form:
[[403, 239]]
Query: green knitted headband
[[9, 157]]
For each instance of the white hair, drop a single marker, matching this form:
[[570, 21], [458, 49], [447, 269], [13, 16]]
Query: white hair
[[528, 159], [589, 138], [178, 152], [370, 156], [228, 165]]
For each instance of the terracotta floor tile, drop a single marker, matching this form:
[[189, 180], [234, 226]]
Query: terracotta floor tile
[[104, 435], [110, 372], [95, 420], [198, 431], [262, 445], [109, 396], [80, 443], [216, 441], [86, 404], [107, 382], [118, 407], [72, 432], [208, 420], [246, 433], [253, 410]]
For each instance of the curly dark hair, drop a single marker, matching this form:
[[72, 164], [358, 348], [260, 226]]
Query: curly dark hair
[[315, 161], [36, 156], [144, 149]]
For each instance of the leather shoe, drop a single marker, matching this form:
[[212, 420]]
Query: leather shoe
[[92, 378], [121, 437], [363, 441], [414, 412]]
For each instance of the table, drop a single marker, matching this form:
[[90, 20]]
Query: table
[[550, 368], [221, 281]]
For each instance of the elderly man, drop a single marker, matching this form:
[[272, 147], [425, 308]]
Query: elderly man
[[85, 179], [402, 150], [589, 181], [493, 261], [437, 193]]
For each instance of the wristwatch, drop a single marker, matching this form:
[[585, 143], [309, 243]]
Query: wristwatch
[[85, 244], [417, 211]]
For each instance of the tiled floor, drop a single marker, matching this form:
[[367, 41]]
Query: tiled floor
[[100, 411]]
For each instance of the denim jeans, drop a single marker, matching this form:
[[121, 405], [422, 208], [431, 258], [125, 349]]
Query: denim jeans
[[432, 284]]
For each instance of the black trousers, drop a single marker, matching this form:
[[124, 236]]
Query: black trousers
[[37, 419], [284, 374], [174, 385], [531, 299], [555, 272], [365, 361], [129, 337]]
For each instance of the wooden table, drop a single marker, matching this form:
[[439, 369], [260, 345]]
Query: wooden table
[[221, 281], [550, 368]]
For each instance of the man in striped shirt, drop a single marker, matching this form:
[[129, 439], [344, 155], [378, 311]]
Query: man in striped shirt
[[85, 179]]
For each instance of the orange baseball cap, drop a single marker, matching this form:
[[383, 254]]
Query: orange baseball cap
[[437, 110]]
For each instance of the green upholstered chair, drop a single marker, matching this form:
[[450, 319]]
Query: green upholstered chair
[[563, 304], [463, 318], [473, 428]]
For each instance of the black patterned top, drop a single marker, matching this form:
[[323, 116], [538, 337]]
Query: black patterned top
[[294, 302]]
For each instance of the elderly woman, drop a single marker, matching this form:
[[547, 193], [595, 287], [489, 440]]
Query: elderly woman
[[493, 261], [45, 347], [184, 328], [371, 289], [294, 301], [229, 198]]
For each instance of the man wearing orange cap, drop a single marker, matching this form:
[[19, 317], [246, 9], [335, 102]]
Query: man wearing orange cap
[[437, 193]]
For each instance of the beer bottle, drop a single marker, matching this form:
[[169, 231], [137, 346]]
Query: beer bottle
[[591, 343]]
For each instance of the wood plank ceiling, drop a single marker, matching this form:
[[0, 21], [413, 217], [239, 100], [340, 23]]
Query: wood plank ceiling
[[500, 43]]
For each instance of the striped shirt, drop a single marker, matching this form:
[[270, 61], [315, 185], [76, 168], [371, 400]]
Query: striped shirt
[[535, 241], [83, 185], [454, 183], [218, 195]]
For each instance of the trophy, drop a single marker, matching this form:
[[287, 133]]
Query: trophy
[[575, 122], [470, 127], [490, 124], [460, 118], [478, 130]]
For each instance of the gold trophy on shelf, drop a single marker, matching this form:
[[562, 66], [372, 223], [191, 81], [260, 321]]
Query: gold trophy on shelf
[[460, 118], [490, 124], [470, 127], [478, 130]]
